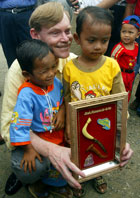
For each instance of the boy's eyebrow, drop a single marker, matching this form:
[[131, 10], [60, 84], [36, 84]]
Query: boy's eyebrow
[[94, 37]]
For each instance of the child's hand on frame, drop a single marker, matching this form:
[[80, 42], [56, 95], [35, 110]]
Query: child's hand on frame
[[28, 161], [59, 118]]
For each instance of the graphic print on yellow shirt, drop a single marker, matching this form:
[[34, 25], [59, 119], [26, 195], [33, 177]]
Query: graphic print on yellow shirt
[[89, 83]]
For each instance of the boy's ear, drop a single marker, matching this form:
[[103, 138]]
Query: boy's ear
[[26, 74], [76, 38]]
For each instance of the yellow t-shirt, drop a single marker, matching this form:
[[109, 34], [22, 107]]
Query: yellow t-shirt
[[82, 83]]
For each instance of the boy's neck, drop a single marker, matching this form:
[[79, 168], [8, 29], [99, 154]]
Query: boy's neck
[[42, 87], [87, 62], [129, 46]]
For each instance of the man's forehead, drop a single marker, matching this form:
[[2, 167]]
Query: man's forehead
[[64, 23]]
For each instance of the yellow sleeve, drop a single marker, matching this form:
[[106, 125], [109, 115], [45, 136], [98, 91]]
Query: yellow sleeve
[[118, 84], [118, 87], [13, 81]]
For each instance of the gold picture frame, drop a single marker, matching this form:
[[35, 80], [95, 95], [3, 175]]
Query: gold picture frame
[[98, 133]]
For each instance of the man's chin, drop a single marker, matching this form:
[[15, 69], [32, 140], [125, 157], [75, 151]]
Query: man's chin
[[61, 54]]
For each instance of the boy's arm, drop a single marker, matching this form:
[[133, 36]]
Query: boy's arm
[[12, 82], [67, 99], [118, 84], [67, 127], [104, 3], [59, 119], [129, 10], [115, 52], [29, 157], [126, 155], [118, 87], [20, 130]]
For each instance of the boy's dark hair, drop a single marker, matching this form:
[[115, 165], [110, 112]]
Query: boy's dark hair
[[28, 51], [133, 22], [98, 14]]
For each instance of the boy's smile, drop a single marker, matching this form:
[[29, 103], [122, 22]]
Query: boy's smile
[[44, 71], [94, 41]]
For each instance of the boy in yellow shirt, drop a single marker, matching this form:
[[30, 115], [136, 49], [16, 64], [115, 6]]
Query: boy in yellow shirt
[[92, 74]]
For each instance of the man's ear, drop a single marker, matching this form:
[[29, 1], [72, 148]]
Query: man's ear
[[34, 34], [76, 38], [26, 74]]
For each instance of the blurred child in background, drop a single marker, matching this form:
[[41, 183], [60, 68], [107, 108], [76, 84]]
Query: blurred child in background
[[126, 51]]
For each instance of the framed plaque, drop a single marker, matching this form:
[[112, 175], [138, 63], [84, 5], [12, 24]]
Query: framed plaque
[[98, 133]]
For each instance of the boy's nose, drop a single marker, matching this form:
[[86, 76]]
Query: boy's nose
[[126, 33], [98, 45], [51, 73]]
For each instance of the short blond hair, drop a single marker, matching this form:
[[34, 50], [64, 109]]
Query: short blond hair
[[46, 15]]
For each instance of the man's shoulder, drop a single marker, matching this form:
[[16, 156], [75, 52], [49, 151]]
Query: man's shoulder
[[14, 77], [63, 61], [71, 65], [15, 68], [70, 57]]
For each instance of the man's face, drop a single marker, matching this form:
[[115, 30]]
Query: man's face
[[58, 37]]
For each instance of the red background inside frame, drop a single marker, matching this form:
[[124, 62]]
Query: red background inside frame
[[106, 137]]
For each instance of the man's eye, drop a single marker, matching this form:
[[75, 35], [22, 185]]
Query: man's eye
[[68, 31], [55, 33]]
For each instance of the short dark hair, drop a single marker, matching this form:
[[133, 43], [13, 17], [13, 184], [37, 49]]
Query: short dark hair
[[133, 22], [97, 14], [28, 51]]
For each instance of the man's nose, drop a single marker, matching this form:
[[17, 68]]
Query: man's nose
[[64, 37]]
